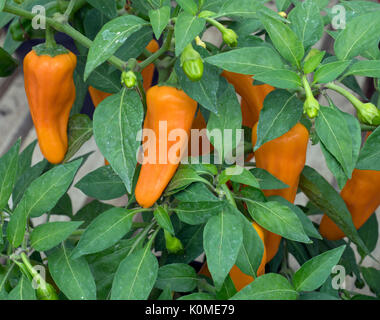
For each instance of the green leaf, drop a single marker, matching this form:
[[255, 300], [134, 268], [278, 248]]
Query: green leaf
[[307, 224], [314, 272], [316, 296], [267, 181], [184, 176], [7, 64], [187, 27], [196, 192], [163, 219], [48, 235], [240, 175], [333, 131], [284, 39], [159, 19], [63, 207], [80, 131], [178, 277], [280, 78], [25, 160], [40, 197], [105, 80], [369, 232], [372, 277], [360, 32], [328, 200], [198, 212], [26, 179], [197, 296], [252, 60], [104, 265], [104, 231], [307, 22], [223, 128], [102, 183], [240, 8], [279, 219], [8, 171], [269, 286], [136, 275], [23, 290], [222, 239], [365, 68], [188, 6], [90, 211], [73, 277], [106, 7], [369, 157], [251, 250], [110, 38], [281, 112], [117, 122], [330, 71]]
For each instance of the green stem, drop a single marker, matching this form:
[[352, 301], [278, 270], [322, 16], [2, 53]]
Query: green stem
[[165, 47], [65, 28], [306, 86], [367, 127], [216, 24], [142, 235], [69, 9], [229, 195], [50, 41], [350, 97]]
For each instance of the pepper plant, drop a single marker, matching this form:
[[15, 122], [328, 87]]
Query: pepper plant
[[223, 222]]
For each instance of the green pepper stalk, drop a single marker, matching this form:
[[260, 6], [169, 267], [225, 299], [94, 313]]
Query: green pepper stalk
[[229, 36], [311, 105], [368, 113], [192, 63], [45, 291]]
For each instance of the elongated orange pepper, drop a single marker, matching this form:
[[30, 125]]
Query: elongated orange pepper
[[171, 107], [252, 96], [283, 157], [362, 197], [50, 90], [147, 73], [238, 277]]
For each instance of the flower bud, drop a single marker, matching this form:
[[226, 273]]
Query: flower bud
[[369, 114], [129, 79], [230, 37]]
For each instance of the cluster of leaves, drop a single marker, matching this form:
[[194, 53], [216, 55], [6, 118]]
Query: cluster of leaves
[[102, 253]]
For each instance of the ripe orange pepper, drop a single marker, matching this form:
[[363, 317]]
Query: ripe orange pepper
[[50, 90], [238, 277], [252, 96], [147, 73], [283, 157], [177, 110], [362, 197]]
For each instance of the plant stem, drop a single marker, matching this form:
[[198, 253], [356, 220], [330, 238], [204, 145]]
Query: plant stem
[[216, 24], [350, 97], [50, 41], [229, 195], [165, 47], [69, 9]]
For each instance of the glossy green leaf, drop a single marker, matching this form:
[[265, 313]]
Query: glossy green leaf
[[159, 18], [136, 276], [269, 286], [314, 272], [8, 171], [72, 276], [117, 122], [104, 231], [40, 197], [222, 238], [281, 112], [178, 277]]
